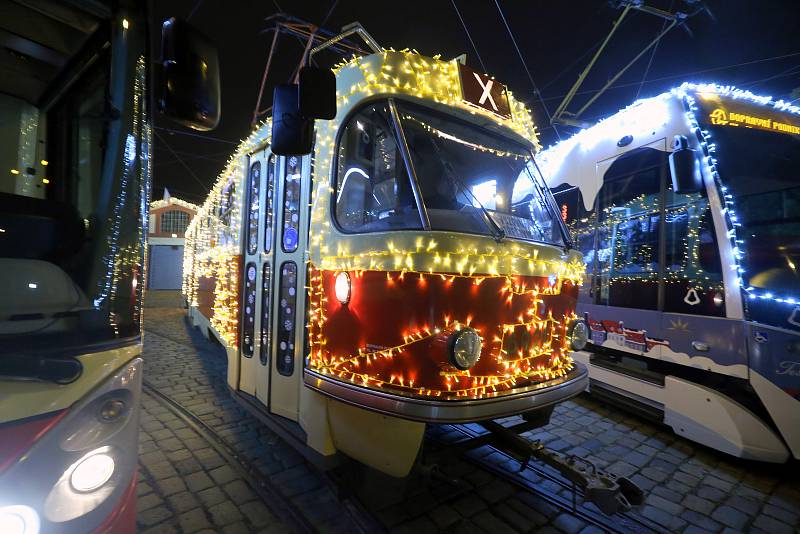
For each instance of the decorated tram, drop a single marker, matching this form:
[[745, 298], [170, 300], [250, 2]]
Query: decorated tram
[[685, 207], [411, 269]]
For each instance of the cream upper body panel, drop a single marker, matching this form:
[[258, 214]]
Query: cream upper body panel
[[433, 83], [28, 398]]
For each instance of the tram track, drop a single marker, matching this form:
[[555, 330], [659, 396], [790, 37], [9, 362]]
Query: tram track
[[271, 495], [620, 523], [281, 506]]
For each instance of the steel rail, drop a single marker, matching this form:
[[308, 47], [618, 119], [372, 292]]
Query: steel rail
[[261, 484]]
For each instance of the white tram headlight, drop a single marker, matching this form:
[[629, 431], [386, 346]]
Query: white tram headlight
[[578, 335], [343, 287], [465, 348], [92, 472], [18, 519]]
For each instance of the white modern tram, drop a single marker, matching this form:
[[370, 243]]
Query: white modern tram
[[686, 209]]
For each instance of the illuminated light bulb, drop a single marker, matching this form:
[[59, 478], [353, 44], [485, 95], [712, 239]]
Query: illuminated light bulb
[[45, 181], [92, 472], [14, 171], [125, 24], [343, 287], [32, 285], [18, 519], [44, 162]]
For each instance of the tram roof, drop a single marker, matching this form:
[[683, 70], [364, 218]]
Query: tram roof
[[404, 73], [641, 116]]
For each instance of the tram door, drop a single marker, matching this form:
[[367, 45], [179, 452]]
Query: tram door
[[275, 277]]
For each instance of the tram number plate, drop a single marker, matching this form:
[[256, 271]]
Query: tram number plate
[[483, 91]]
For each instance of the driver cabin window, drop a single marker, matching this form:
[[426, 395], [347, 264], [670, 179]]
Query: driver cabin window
[[373, 191]]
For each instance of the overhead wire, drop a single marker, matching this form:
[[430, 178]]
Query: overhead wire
[[525, 64], [684, 74], [199, 136], [653, 53], [464, 24], [183, 163]]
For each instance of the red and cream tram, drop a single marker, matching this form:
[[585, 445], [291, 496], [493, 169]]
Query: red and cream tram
[[411, 269]]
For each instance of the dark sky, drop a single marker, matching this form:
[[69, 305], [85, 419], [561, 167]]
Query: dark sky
[[556, 39]]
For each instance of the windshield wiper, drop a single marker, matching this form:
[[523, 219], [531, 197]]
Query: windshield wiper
[[497, 233], [48, 369]]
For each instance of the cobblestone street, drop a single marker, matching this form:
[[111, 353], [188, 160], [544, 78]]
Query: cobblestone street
[[187, 485]]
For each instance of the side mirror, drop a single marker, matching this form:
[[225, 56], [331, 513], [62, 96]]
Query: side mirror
[[317, 93], [292, 132], [684, 168], [190, 92]]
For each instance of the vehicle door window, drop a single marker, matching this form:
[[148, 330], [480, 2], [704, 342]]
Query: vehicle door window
[[628, 230], [373, 191], [692, 269], [582, 226]]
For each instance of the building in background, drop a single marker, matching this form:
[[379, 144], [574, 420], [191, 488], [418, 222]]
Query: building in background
[[169, 218]]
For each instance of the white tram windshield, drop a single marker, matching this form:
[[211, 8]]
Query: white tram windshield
[[762, 171], [466, 174], [71, 191]]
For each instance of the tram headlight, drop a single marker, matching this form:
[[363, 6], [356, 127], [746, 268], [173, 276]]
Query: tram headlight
[[578, 335], [465, 348], [343, 287], [92, 472], [18, 519]]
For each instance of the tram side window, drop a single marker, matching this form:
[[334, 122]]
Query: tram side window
[[373, 190], [270, 185], [291, 203], [628, 230], [692, 268], [253, 210], [581, 225]]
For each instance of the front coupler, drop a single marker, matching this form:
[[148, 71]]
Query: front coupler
[[609, 492]]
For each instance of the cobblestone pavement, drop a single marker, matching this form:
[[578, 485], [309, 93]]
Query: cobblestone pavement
[[185, 486]]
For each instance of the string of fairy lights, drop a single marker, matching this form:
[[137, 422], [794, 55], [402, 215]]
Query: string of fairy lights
[[519, 367], [631, 262], [687, 91], [213, 243]]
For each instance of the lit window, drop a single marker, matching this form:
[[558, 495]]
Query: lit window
[[174, 222]]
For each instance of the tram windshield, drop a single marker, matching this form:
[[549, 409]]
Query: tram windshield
[[762, 171], [72, 190], [473, 181]]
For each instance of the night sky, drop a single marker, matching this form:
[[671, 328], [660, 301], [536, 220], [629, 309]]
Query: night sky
[[753, 44]]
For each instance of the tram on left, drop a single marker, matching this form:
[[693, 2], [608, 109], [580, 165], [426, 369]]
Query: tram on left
[[76, 87]]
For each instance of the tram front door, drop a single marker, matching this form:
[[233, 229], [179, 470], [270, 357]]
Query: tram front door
[[274, 243]]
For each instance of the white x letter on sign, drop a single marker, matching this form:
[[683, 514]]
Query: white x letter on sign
[[486, 91]]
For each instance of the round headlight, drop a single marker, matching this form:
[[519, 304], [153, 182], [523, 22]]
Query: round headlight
[[578, 335], [92, 472], [465, 348], [342, 287], [18, 519]]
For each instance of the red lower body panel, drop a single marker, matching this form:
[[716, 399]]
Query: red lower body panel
[[394, 332]]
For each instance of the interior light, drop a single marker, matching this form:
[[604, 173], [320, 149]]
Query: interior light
[[343, 287], [92, 472], [45, 181], [14, 171], [125, 24], [44, 162], [18, 519], [32, 285]]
